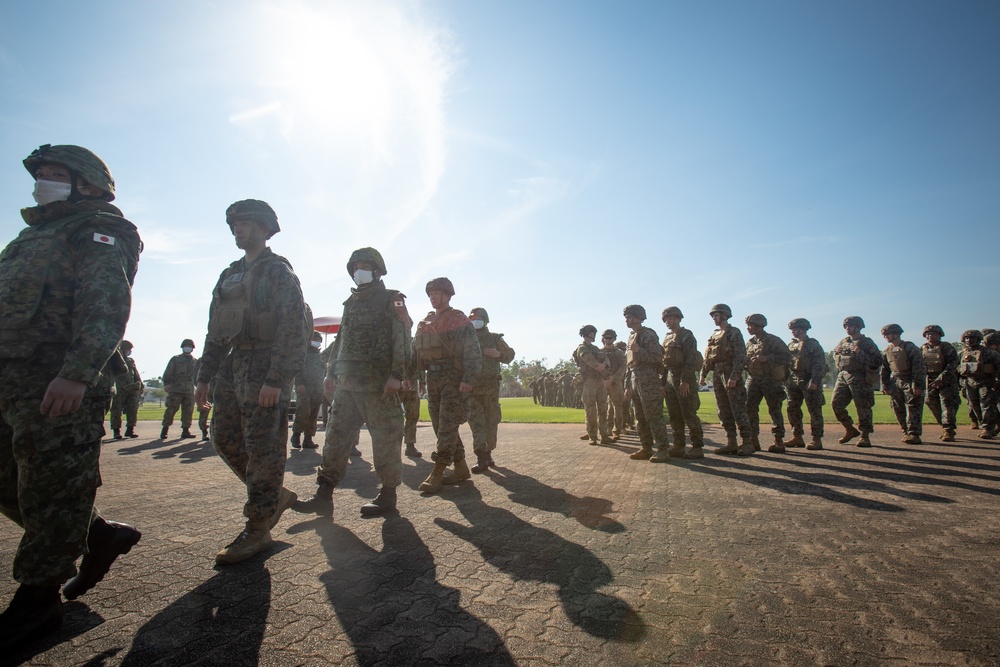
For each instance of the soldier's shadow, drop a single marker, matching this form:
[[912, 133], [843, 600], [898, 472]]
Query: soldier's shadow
[[527, 552], [391, 605], [189, 452], [221, 622], [78, 619]]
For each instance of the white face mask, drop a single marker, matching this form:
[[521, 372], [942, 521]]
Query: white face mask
[[187, 350], [315, 343], [479, 324], [47, 192], [363, 277]]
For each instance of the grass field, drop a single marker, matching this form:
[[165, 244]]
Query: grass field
[[524, 411]]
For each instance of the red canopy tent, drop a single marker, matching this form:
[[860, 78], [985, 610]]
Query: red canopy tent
[[327, 325]]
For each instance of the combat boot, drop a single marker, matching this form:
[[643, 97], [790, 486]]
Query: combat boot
[[662, 455], [731, 446], [186, 433], [117, 434], [697, 451], [795, 441], [989, 432], [321, 503], [433, 482], [482, 463], [677, 450], [411, 450], [975, 425], [778, 447], [748, 447], [34, 611], [460, 474], [296, 441], [308, 443], [130, 432], [163, 433], [815, 443], [755, 441], [285, 500], [106, 541], [254, 539], [204, 435], [607, 440], [646, 452], [384, 502], [865, 441], [948, 435], [850, 433], [912, 439]]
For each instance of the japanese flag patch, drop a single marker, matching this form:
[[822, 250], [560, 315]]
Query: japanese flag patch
[[104, 238]]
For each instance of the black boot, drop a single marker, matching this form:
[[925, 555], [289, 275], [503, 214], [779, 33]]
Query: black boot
[[107, 541], [130, 432], [163, 433], [117, 433], [309, 444], [296, 441], [483, 463], [411, 450], [384, 502], [34, 612], [186, 433], [321, 503], [204, 434]]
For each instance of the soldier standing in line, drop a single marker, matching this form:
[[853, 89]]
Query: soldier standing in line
[[767, 364], [128, 387], [644, 361], [533, 386], [256, 343], [628, 418], [484, 401], [595, 372], [308, 395], [551, 386], [409, 396], [368, 365], [178, 382], [858, 360], [979, 367], [941, 361], [726, 357], [904, 380], [446, 348], [991, 341], [616, 386], [65, 295], [805, 385], [682, 363]]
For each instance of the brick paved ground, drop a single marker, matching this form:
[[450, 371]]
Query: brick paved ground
[[566, 554]]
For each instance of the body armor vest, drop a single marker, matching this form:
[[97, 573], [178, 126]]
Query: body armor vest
[[800, 362], [846, 359], [182, 373], [366, 334], [586, 371], [933, 359], [235, 315], [489, 376], [972, 365], [720, 348], [673, 353], [899, 361]]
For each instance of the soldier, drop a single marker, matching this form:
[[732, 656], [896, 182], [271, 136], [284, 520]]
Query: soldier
[[941, 361], [568, 390], [726, 356], [533, 386], [550, 389], [409, 396], [858, 360], [682, 363], [979, 367], [484, 401], [594, 373], [368, 365], [904, 379], [446, 348], [256, 343], [616, 387], [628, 419], [805, 384], [644, 360], [203, 410], [65, 294], [178, 382], [309, 395], [128, 387], [767, 363]]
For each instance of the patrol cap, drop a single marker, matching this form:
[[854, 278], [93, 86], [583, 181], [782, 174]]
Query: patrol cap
[[442, 285], [82, 162], [609, 333], [481, 314], [253, 210], [756, 318], [366, 255], [587, 329], [721, 308], [187, 342], [854, 320], [672, 311], [635, 310], [126, 344], [972, 333], [800, 323], [933, 328], [892, 329]]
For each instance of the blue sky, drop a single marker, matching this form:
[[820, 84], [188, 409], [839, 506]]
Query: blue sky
[[557, 160]]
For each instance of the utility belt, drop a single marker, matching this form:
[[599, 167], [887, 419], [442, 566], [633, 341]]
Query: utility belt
[[439, 365]]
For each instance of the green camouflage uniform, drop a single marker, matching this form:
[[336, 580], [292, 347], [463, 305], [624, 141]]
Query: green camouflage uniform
[[943, 401], [65, 296], [308, 402], [128, 388], [550, 389], [180, 376], [373, 345], [484, 402], [595, 397], [643, 361], [265, 345], [680, 362], [616, 394], [808, 365], [446, 347], [979, 369], [855, 362], [903, 371], [726, 356], [762, 382]]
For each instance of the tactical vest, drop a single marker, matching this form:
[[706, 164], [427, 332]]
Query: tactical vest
[[720, 348], [972, 365], [673, 353], [366, 335], [847, 359], [933, 359], [436, 346], [236, 315], [800, 362], [899, 361], [489, 376], [586, 371], [182, 373]]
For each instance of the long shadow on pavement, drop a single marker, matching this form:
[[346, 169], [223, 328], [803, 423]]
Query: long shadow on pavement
[[527, 552], [189, 452], [78, 619]]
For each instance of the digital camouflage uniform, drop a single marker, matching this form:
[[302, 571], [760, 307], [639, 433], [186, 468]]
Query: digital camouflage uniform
[[128, 389], [903, 371], [373, 345], [446, 347], [65, 296], [726, 357], [642, 377], [308, 402], [942, 398], [681, 364], [254, 340], [808, 365], [767, 381], [979, 368], [484, 401], [595, 397], [616, 393], [180, 376], [857, 365]]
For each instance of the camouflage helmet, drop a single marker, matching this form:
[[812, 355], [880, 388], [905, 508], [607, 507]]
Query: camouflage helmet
[[481, 313], [79, 160], [187, 342], [800, 323], [366, 255], [621, 345], [317, 336], [756, 318], [987, 331], [635, 310], [253, 210], [969, 334], [892, 329], [726, 311], [609, 333], [933, 328], [991, 339], [442, 285], [126, 345], [672, 311], [587, 329], [854, 320]]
